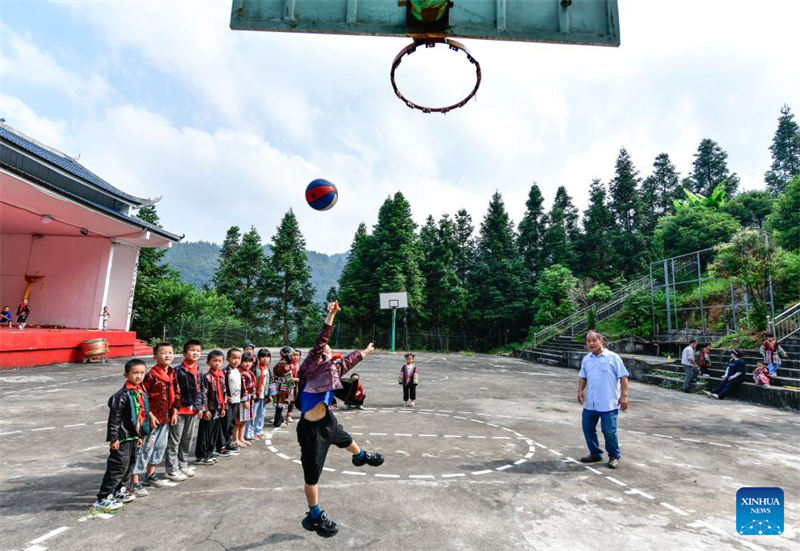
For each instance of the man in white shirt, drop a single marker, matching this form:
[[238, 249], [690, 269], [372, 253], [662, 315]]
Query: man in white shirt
[[604, 379], [689, 364]]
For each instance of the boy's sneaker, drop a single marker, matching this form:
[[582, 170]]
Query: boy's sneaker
[[359, 406], [323, 526], [176, 476], [154, 481], [124, 495], [370, 458], [233, 450], [205, 461], [345, 407], [107, 504], [411, 404], [138, 489], [222, 453], [187, 471]]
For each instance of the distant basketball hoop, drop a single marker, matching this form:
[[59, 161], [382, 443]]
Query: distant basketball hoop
[[393, 301]]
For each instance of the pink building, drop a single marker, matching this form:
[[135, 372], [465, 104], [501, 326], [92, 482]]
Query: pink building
[[71, 236]]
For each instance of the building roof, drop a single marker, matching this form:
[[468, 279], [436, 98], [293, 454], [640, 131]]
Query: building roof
[[68, 164]]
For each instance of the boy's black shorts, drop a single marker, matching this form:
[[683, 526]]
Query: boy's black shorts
[[315, 437]]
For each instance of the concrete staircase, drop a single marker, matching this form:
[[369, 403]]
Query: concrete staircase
[[141, 348], [646, 367]]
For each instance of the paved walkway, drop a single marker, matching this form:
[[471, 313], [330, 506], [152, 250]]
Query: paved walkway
[[487, 460]]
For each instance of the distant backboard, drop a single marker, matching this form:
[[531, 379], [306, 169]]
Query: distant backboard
[[394, 300], [590, 22]]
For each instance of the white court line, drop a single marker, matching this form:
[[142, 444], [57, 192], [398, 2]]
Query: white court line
[[35, 548], [377, 434], [545, 421], [403, 434], [329, 469], [465, 412], [570, 460], [615, 481], [297, 461], [503, 468], [634, 491], [452, 436], [426, 410], [453, 475], [387, 475], [273, 449], [477, 421], [476, 437], [635, 431], [506, 416], [721, 445], [267, 442], [555, 452], [528, 455], [692, 440], [283, 456], [675, 509], [501, 438], [427, 435], [75, 425], [442, 415], [661, 435], [524, 418], [446, 411], [459, 417], [43, 428], [99, 423], [493, 425], [358, 433], [12, 432], [423, 413], [48, 535], [751, 449], [588, 468], [354, 473], [519, 461], [487, 471], [485, 414], [422, 476]]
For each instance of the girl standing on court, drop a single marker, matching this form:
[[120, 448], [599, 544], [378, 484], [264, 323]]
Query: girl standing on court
[[409, 378]]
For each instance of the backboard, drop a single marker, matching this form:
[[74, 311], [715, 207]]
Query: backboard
[[391, 301], [590, 22]]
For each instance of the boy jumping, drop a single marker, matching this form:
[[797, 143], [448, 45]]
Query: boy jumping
[[318, 428]]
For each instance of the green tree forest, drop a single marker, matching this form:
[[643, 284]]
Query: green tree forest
[[487, 284]]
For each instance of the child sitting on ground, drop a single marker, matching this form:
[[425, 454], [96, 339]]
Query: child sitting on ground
[[164, 397], [128, 423], [761, 375], [5, 316], [215, 398], [409, 378]]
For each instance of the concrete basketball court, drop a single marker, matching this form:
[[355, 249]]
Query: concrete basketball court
[[487, 460]]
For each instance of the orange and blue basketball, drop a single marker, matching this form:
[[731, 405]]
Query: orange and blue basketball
[[321, 194]]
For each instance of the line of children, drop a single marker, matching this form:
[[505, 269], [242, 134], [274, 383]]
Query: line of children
[[152, 418]]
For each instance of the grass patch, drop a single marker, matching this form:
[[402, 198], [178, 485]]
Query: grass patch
[[740, 339], [468, 353]]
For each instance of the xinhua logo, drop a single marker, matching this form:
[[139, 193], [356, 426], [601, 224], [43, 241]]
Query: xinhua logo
[[759, 511]]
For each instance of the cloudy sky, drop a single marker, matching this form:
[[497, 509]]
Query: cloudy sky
[[163, 99]]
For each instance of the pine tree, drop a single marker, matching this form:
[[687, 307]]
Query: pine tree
[[252, 280], [629, 245], [498, 287], [465, 255], [530, 240], [357, 289], [398, 254], [658, 191], [225, 276], [710, 168], [785, 152], [445, 296], [562, 233], [595, 245], [294, 304]]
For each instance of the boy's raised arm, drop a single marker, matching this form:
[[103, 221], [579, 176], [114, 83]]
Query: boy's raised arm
[[327, 330]]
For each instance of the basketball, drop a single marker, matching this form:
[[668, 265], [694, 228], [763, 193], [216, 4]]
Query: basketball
[[321, 194]]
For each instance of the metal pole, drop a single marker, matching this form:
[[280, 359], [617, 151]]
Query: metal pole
[[700, 290], [668, 308], [394, 316], [769, 275], [652, 301], [675, 296], [747, 309], [733, 306]]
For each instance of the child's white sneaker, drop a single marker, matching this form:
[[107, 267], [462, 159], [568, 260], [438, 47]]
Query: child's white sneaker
[[187, 471], [411, 404], [405, 404], [107, 504], [176, 476]]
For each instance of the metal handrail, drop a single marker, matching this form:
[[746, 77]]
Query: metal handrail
[[785, 324], [580, 319]]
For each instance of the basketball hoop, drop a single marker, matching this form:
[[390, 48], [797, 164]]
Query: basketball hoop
[[430, 43]]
